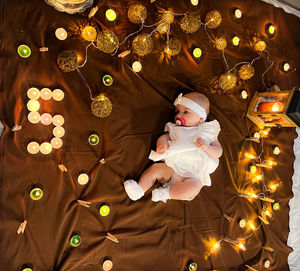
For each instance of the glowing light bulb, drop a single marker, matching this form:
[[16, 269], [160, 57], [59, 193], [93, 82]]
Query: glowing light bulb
[[273, 187], [244, 94], [33, 93], [107, 265], [286, 67], [264, 132], [194, 2], [58, 120], [267, 213], [89, 33], [61, 33], [252, 195], [242, 223], [242, 246], [45, 148], [33, 147], [58, 131], [256, 135], [46, 94], [215, 247], [276, 150], [197, 52], [235, 41], [137, 66], [250, 155], [267, 264], [237, 13], [33, 105], [110, 15], [271, 29], [83, 179], [34, 117], [257, 178], [251, 225], [253, 169], [46, 119], [276, 206], [58, 94], [56, 143]]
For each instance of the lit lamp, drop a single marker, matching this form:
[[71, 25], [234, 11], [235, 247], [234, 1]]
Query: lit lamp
[[270, 30], [110, 15], [285, 67], [58, 94], [33, 105], [237, 13], [279, 109], [33, 93], [235, 41], [137, 66], [197, 52], [34, 117]]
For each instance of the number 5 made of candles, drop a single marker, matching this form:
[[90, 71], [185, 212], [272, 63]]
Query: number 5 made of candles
[[46, 119]]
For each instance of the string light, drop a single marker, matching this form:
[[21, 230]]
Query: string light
[[215, 247], [250, 155], [242, 223], [111, 15], [235, 41], [251, 225], [137, 66], [237, 13], [276, 150], [33, 105], [244, 94], [286, 67], [194, 2], [270, 30], [253, 169], [197, 52]]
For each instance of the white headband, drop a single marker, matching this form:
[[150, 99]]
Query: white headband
[[198, 109]]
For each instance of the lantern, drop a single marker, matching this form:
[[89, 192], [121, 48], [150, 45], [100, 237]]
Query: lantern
[[246, 71], [137, 13], [173, 46], [107, 41], [227, 81], [190, 23], [101, 106], [279, 109], [221, 44], [67, 61], [213, 19], [142, 44]]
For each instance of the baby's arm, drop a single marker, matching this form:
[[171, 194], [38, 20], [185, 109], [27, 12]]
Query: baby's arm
[[214, 150], [162, 143]]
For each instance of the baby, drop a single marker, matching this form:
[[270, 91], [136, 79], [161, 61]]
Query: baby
[[190, 150]]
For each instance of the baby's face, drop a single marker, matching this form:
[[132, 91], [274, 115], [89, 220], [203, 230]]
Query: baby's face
[[186, 116]]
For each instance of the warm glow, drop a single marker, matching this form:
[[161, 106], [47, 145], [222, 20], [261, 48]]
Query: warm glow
[[267, 213], [264, 220], [257, 178], [238, 13], [256, 135], [58, 131], [215, 247], [260, 46], [275, 107], [286, 67], [244, 94], [250, 155], [83, 179], [61, 33], [110, 15], [33, 93], [273, 187], [252, 195], [58, 94], [194, 2], [271, 29], [34, 117], [251, 225], [276, 150], [241, 246], [46, 94], [264, 132], [56, 142], [137, 66], [58, 120], [107, 265], [45, 148], [197, 52], [33, 147], [242, 223], [253, 169], [89, 33], [46, 119], [33, 105], [235, 41]]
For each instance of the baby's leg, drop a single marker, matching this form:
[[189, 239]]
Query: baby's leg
[[188, 188], [157, 172]]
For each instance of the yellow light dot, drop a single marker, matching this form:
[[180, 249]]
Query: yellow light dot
[[256, 135], [260, 46], [110, 15], [58, 94], [286, 67], [237, 13], [33, 93], [271, 29], [137, 66], [276, 150], [34, 117], [251, 225], [235, 41], [253, 169], [89, 33], [244, 94], [215, 247], [194, 2], [249, 155], [58, 131], [197, 52], [83, 179], [241, 246], [45, 148], [242, 223], [33, 105]]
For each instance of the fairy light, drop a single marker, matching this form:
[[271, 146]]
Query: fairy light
[[194, 2], [253, 169], [242, 223], [273, 187], [244, 94], [241, 246], [276, 150], [235, 41], [250, 155], [286, 67], [264, 132], [238, 13], [215, 247], [251, 225], [110, 15]]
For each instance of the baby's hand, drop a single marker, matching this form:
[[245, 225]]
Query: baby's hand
[[200, 143], [161, 148]]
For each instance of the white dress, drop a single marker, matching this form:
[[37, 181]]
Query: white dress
[[184, 157]]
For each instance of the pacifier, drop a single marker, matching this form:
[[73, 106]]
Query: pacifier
[[180, 121]]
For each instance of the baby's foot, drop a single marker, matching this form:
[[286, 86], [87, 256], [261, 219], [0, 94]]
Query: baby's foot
[[133, 190], [160, 194]]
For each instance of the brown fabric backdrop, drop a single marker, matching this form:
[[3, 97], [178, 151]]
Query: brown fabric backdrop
[[153, 236]]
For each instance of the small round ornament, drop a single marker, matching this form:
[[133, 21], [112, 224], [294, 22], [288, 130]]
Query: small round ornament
[[83, 179], [276, 206], [58, 94], [163, 28], [197, 52], [93, 139], [107, 265], [101, 106], [221, 44], [24, 51], [107, 41], [36, 193], [137, 13], [190, 23], [142, 44], [89, 33], [33, 93], [75, 241], [172, 46], [167, 17], [67, 61], [104, 210], [213, 19], [33, 105], [260, 46], [107, 80], [246, 72], [227, 81]]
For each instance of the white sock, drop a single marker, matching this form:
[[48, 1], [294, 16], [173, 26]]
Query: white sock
[[161, 194], [133, 190]]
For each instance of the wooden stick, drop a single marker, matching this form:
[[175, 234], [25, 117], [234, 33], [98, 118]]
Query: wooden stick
[[22, 227], [251, 268], [93, 12], [84, 203], [268, 249], [112, 237]]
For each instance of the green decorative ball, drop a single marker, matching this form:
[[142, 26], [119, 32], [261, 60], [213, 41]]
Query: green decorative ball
[[75, 241], [276, 206], [192, 267], [104, 210], [107, 80], [93, 139], [36, 193]]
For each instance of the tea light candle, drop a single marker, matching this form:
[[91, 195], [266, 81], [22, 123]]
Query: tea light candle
[[56, 142], [104, 210], [61, 33], [33, 93], [36, 193], [45, 148], [46, 94], [33, 147], [244, 94], [93, 139], [83, 179], [267, 264], [197, 52], [58, 131], [237, 13], [24, 51], [58, 120], [192, 267], [107, 80], [34, 117], [33, 105], [107, 265], [46, 119], [137, 66], [111, 15], [58, 94], [75, 241]]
